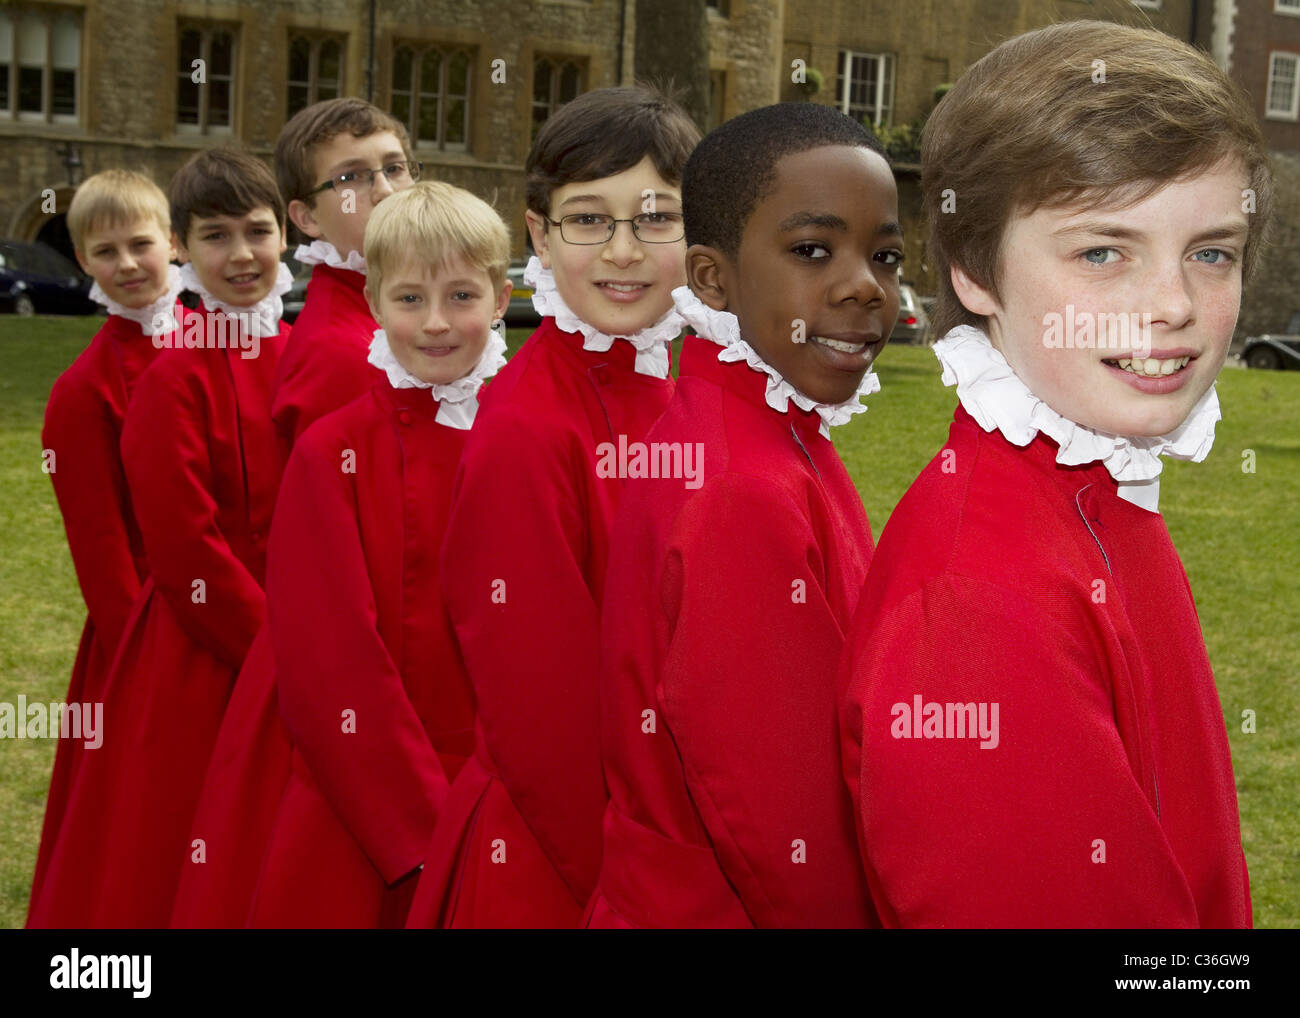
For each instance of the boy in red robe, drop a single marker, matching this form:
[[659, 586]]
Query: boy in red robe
[[523, 564], [200, 457], [1032, 732], [121, 233], [323, 158], [368, 674], [733, 580]]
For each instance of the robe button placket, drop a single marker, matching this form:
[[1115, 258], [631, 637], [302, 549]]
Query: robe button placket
[[404, 416]]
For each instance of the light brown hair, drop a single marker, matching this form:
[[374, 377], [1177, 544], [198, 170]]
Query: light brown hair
[[312, 127], [308, 129], [1078, 114]]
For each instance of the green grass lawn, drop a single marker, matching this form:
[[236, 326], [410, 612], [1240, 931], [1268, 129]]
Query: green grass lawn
[[1236, 531]]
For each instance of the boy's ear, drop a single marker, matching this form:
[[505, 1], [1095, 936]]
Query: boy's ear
[[304, 218], [706, 275], [178, 246], [974, 297], [81, 260], [537, 233], [173, 254], [503, 299], [370, 301]]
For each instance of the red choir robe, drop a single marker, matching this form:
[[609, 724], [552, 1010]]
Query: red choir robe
[[523, 567], [324, 365], [1107, 797], [199, 452], [368, 674], [724, 617], [83, 428], [323, 368]]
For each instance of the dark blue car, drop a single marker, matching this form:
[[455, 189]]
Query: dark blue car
[[37, 280]]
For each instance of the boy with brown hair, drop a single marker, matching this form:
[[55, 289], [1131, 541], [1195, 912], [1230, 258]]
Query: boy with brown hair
[[200, 459], [523, 563], [1032, 731], [335, 162]]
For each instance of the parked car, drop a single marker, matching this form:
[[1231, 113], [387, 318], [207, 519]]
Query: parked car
[[297, 295], [913, 322], [36, 279], [521, 313], [1275, 351], [1272, 352]]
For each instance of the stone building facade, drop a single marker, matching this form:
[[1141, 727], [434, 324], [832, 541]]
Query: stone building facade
[[90, 84]]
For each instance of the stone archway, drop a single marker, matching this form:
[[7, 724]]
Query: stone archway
[[39, 219]]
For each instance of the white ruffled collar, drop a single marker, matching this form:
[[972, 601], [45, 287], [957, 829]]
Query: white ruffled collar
[[265, 314], [156, 319], [322, 252], [723, 328], [996, 397], [651, 343], [458, 400]]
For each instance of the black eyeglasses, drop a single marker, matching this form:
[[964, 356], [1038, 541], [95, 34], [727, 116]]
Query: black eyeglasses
[[596, 228], [395, 173]]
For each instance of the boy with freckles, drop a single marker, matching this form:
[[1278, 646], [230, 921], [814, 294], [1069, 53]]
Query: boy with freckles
[[202, 467], [727, 602], [121, 232], [1028, 568]]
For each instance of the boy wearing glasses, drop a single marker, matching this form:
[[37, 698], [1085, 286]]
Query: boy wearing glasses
[[335, 162], [523, 561]]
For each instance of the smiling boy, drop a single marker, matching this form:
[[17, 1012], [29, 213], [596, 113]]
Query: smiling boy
[[1028, 571], [201, 463], [120, 230], [523, 563], [727, 602], [361, 631], [335, 162]]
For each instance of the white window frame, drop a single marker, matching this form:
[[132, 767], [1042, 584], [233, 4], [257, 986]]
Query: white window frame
[[315, 43], [881, 111], [205, 54], [1294, 112], [51, 16], [551, 102], [1287, 7], [417, 96]]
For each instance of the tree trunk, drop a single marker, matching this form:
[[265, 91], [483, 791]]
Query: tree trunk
[[672, 48]]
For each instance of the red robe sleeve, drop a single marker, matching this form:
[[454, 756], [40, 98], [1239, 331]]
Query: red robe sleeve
[[169, 470], [512, 565], [748, 692], [382, 777], [92, 495], [1011, 835]]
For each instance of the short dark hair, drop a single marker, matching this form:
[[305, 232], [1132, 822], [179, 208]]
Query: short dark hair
[[734, 167], [604, 132], [221, 182]]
